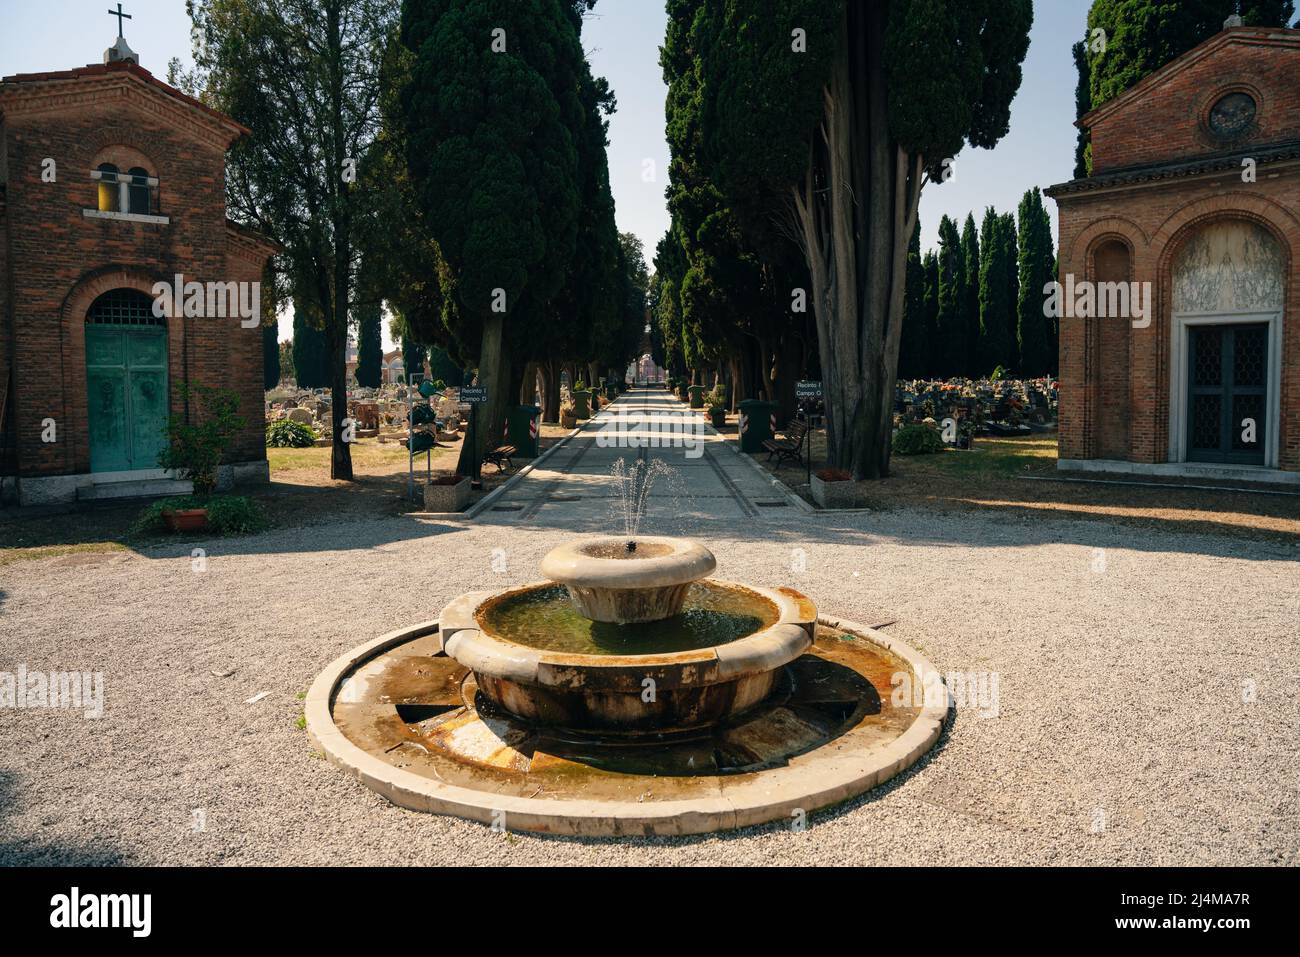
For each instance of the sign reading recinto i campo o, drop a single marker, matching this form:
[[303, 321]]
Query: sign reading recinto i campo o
[[474, 394], [807, 389]]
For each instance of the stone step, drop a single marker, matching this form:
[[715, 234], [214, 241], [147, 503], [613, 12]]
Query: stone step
[[139, 488]]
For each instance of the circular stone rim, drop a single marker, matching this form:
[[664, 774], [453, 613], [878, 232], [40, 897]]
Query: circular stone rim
[[837, 775], [688, 561], [765, 650]]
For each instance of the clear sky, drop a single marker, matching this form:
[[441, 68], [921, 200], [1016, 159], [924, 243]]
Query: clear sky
[[622, 38]]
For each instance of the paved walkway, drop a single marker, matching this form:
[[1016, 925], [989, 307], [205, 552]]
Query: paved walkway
[[706, 479]]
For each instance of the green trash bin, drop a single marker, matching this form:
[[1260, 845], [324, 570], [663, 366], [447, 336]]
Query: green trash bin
[[522, 425], [697, 396], [757, 423], [580, 409], [611, 390]]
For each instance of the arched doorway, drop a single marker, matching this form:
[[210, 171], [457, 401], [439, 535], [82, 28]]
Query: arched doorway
[[1225, 345], [126, 382]]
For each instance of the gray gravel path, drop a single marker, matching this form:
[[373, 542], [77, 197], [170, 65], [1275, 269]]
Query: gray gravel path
[[1121, 734]]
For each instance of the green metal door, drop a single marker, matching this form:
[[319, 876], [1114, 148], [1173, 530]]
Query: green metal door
[[126, 396], [1226, 395]]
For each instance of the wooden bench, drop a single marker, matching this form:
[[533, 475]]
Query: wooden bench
[[790, 447], [500, 457]]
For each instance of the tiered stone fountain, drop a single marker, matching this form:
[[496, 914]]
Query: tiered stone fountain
[[629, 640], [628, 693]]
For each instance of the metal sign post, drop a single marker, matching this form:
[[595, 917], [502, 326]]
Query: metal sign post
[[412, 385], [808, 389]]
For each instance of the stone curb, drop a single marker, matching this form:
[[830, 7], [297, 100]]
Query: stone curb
[[839, 773]]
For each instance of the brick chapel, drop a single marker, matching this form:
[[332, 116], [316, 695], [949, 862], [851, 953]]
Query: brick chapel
[[1195, 190], [112, 181]]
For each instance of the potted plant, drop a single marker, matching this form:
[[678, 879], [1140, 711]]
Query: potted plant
[[447, 492], [194, 449], [718, 406], [568, 416], [580, 400], [834, 488]]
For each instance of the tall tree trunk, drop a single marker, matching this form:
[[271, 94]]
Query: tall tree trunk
[[340, 451], [487, 419], [855, 210], [528, 385], [788, 358], [552, 394]]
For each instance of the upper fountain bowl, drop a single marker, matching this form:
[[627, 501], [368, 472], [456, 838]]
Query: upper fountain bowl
[[610, 581]]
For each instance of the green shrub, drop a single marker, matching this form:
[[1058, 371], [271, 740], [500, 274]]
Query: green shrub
[[235, 515], [194, 448], [287, 434], [917, 440], [227, 514]]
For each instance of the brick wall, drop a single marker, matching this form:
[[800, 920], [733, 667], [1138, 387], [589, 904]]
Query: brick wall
[[1115, 379], [1263, 63], [62, 260], [1153, 221]]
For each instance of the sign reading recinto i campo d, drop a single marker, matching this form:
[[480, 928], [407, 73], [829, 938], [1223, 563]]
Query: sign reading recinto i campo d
[[474, 394], [807, 389]]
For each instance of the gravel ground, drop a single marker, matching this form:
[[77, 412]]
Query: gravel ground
[[1121, 734]]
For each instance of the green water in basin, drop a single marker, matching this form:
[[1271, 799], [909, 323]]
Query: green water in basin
[[545, 618]]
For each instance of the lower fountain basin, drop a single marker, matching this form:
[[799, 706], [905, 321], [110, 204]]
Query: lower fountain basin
[[716, 659]]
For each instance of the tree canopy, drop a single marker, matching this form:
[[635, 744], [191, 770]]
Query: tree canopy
[[828, 118], [1128, 40]]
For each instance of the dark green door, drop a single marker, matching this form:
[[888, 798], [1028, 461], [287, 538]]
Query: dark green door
[[126, 396], [1227, 393]]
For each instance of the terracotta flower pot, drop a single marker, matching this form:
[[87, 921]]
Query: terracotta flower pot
[[186, 519]]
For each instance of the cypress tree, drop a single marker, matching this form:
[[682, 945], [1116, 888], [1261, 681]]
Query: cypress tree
[[843, 135], [310, 351], [370, 346], [995, 302], [1141, 36], [1035, 258], [930, 356], [912, 358], [952, 285], [1010, 256], [442, 366], [270, 355], [970, 247], [413, 356]]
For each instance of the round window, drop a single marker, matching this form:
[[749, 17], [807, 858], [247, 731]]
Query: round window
[[1232, 115]]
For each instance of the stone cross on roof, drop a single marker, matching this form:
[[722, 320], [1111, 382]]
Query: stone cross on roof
[[120, 17], [120, 51]]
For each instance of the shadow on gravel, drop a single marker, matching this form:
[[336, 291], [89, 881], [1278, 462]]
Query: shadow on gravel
[[965, 530], [32, 851], [340, 536]]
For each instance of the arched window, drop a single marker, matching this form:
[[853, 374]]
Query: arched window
[[138, 191], [123, 307], [108, 188]]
